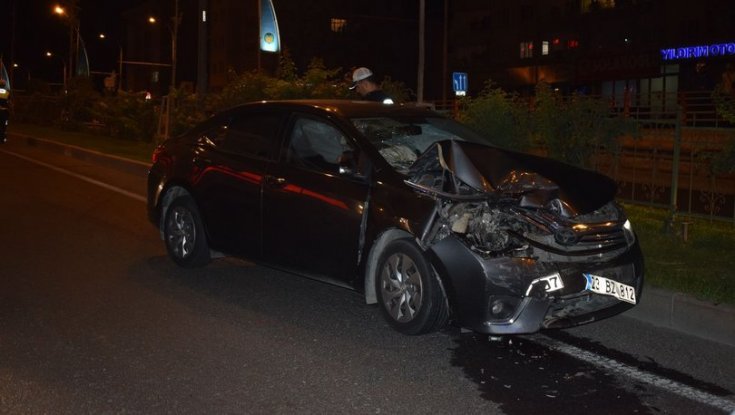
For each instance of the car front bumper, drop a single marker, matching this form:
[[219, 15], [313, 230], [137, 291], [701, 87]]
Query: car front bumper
[[499, 295]]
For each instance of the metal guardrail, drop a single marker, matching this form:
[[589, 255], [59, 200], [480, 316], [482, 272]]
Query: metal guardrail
[[672, 165]]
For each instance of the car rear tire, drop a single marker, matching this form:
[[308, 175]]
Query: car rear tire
[[184, 235], [410, 294]]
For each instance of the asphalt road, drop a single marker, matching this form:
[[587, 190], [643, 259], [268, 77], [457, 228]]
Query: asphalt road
[[94, 318]]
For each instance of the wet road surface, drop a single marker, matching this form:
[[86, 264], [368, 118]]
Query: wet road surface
[[94, 318]]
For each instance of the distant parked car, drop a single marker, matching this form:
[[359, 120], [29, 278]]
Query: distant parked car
[[422, 215]]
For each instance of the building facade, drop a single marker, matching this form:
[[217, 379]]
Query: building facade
[[606, 47]]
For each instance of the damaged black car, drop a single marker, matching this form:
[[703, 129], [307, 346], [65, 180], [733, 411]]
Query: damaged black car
[[420, 214]]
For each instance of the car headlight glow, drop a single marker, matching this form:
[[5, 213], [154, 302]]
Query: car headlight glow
[[628, 231]]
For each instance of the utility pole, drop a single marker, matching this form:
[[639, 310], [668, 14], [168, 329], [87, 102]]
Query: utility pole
[[260, 22], [12, 42], [174, 38], [445, 78], [202, 52], [420, 77]]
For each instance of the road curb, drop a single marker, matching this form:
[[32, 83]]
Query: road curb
[[119, 163], [686, 314], [659, 307]]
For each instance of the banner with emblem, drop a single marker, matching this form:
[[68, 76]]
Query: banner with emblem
[[82, 60], [270, 40]]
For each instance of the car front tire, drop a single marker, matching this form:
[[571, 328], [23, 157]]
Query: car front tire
[[183, 233], [410, 295]]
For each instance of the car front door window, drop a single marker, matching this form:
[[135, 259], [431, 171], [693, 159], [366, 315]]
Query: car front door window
[[316, 145]]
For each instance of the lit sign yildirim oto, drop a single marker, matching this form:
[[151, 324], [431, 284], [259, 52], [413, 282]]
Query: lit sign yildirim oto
[[693, 52]]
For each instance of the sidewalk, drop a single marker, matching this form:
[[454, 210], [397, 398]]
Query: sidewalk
[[662, 308]]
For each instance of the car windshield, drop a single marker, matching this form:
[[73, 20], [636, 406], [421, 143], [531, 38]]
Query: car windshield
[[400, 140]]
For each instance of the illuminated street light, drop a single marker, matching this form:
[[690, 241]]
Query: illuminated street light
[[71, 14], [174, 30]]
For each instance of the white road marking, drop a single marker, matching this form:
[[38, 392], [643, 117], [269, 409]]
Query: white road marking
[[611, 365], [81, 177]]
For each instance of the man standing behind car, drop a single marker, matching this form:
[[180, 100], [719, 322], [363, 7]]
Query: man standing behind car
[[364, 83], [4, 111]]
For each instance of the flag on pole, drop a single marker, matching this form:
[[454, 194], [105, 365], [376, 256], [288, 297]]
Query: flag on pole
[[82, 60], [270, 40]]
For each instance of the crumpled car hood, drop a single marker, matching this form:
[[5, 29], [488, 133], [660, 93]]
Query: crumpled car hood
[[535, 180]]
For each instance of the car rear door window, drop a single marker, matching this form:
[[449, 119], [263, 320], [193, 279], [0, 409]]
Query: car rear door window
[[252, 135]]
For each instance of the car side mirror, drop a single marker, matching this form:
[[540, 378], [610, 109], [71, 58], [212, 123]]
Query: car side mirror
[[352, 165], [347, 163]]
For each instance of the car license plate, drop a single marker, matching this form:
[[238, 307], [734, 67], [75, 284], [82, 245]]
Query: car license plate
[[605, 286], [553, 282], [550, 283]]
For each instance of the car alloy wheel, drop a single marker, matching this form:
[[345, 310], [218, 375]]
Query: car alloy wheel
[[412, 298], [184, 234], [400, 284], [181, 232]]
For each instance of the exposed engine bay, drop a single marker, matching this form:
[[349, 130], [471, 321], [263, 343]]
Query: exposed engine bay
[[521, 214]]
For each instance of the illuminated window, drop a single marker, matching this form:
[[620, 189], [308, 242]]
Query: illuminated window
[[545, 47], [573, 43], [338, 25], [526, 50]]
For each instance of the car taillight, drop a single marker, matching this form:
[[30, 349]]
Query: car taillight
[[156, 153]]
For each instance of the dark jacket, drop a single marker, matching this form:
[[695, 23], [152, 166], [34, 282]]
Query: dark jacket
[[377, 95]]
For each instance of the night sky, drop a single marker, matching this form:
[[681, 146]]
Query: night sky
[[38, 30]]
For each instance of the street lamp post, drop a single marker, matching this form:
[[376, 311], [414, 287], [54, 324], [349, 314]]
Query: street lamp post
[[174, 29], [174, 32], [174, 38], [50, 55], [71, 14]]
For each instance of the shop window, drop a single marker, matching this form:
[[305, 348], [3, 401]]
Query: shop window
[[526, 50], [338, 25]]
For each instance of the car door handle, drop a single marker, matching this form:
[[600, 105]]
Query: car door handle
[[275, 181], [201, 162]]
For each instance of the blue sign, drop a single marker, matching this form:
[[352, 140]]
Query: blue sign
[[703, 51], [459, 82]]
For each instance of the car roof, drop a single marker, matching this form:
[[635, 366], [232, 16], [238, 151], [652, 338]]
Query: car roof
[[346, 108]]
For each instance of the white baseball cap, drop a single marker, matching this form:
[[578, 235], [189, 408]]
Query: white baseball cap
[[359, 74]]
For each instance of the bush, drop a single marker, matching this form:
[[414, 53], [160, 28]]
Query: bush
[[186, 112], [397, 90], [501, 117], [127, 115], [77, 103], [573, 128]]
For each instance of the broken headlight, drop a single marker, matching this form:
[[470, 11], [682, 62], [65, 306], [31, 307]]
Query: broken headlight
[[628, 232]]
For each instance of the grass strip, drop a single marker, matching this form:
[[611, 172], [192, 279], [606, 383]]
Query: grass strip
[[703, 266]]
